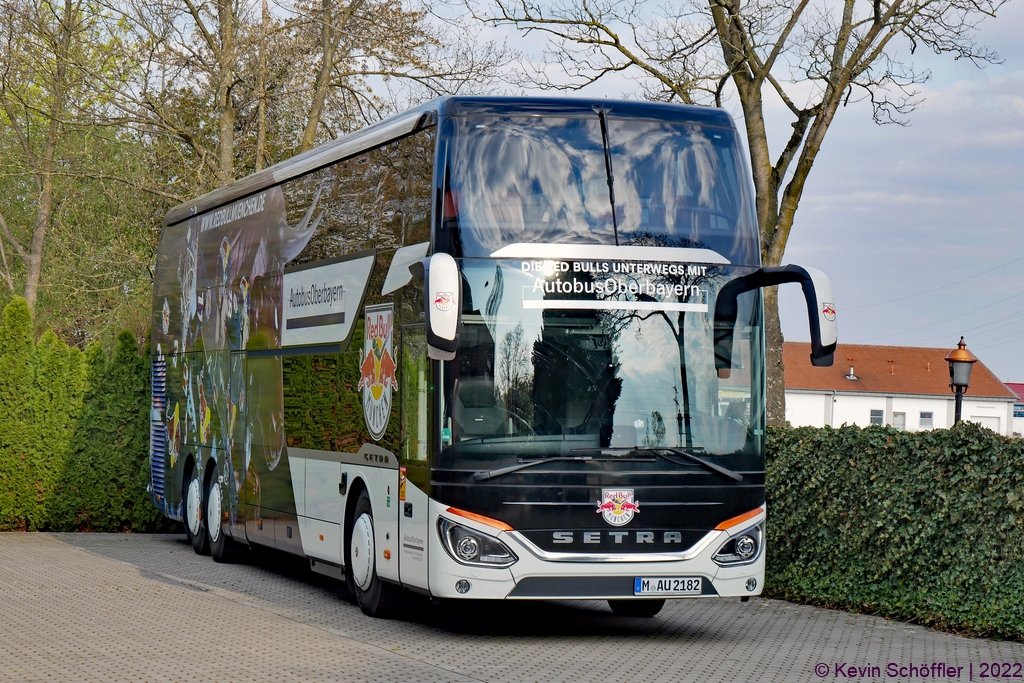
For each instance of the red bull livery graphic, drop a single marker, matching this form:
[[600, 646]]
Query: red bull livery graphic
[[444, 301], [617, 506], [377, 375], [829, 311]]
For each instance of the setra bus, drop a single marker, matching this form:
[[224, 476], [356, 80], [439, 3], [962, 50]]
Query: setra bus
[[499, 348]]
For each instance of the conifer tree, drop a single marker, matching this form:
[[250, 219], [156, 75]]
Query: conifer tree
[[53, 428], [74, 499], [18, 434]]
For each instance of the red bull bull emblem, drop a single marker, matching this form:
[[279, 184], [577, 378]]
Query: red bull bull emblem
[[617, 506], [377, 368], [444, 301], [829, 311]]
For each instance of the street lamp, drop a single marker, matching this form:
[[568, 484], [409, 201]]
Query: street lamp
[[961, 362]]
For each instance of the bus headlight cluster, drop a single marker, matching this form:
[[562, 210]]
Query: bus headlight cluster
[[467, 546], [743, 548]]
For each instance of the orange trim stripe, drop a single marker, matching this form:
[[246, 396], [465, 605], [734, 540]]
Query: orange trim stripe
[[739, 519], [480, 518]]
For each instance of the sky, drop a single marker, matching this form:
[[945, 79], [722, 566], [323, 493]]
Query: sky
[[920, 227]]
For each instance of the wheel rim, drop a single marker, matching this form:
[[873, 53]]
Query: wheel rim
[[362, 551], [192, 508], [213, 512]]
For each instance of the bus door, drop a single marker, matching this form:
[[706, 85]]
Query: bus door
[[413, 378]]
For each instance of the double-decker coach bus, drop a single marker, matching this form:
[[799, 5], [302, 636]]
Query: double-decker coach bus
[[502, 348]]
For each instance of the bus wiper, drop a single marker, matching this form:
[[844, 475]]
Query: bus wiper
[[718, 469], [491, 474], [608, 168], [658, 450]]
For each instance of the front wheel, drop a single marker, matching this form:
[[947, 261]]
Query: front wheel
[[375, 597], [195, 528], [636, 608]]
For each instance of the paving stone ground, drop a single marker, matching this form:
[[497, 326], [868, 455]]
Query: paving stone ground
[[111, 607]]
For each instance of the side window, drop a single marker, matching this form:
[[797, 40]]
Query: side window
[[415, 382], [379, 199], [418, 151], [877, 417]]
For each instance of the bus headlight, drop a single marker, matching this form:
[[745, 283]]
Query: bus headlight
[[743, 548], [467, 546]]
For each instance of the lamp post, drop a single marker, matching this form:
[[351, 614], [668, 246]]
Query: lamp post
[[961, 362]]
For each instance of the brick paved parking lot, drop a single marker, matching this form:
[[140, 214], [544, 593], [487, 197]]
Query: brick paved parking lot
[[103, 607]]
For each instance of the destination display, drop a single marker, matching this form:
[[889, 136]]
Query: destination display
[[615, 285]]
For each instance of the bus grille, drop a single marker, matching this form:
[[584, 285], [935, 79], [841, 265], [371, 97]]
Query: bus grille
[[157, 427]]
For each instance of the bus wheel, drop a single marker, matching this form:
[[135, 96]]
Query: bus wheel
[[195, 528], [375, 597], [222, 547], [636, 608]]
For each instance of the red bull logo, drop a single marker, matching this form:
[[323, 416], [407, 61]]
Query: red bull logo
[[829, 311], [377, 369], [444, 301], [617, 506]]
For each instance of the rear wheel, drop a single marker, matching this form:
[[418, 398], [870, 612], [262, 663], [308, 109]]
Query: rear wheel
[[222, 547], [195, 526], [375, 597], [636, 608]]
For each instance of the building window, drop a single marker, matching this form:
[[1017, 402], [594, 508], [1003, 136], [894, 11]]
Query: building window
[[1018, 410], [877, 417], [926, 421]]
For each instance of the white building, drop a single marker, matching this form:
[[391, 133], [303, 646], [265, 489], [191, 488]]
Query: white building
[[904, 387], [1018, 407]]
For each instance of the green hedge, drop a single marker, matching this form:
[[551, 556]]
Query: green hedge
[[919, 526], [74, 433]]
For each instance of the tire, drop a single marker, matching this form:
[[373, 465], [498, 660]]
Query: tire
[[195, 524], [375, 597], [222, 547], [636, 608]]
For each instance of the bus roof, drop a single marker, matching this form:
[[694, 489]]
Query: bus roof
[[407, 122]]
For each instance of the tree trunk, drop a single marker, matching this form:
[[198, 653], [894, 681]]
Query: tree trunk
[[775, 397], [226, 113], [44, 174], [328, 44], [34, 263], [261, 122]]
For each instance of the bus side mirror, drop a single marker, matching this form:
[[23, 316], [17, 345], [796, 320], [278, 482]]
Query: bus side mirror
[[821, 311], [443, 296]]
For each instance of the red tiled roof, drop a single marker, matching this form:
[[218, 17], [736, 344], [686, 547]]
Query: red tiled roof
[[885, 369], [1017, 388]]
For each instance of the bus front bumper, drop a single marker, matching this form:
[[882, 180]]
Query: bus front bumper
[[538, 575]]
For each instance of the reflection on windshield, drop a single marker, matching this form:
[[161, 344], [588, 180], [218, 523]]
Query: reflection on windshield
[[523, 178], [545, 180], [541, 373], [677, 183]]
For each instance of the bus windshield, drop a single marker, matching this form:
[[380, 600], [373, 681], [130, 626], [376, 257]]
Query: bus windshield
[[546, 179], [557, 357]]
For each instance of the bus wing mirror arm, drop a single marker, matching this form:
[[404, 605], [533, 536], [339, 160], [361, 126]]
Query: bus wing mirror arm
[[821, 311], [443, 299]]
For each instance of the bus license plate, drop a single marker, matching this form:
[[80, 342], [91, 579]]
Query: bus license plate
[[670, 585]]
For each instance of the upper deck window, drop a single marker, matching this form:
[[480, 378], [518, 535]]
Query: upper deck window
[[543, 179]]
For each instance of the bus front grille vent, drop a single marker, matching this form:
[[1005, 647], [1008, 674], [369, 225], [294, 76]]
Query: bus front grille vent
[[158, 428]]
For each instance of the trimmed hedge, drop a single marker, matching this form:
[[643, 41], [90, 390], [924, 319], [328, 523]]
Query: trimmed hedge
[[919, 526], [74, 433]]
